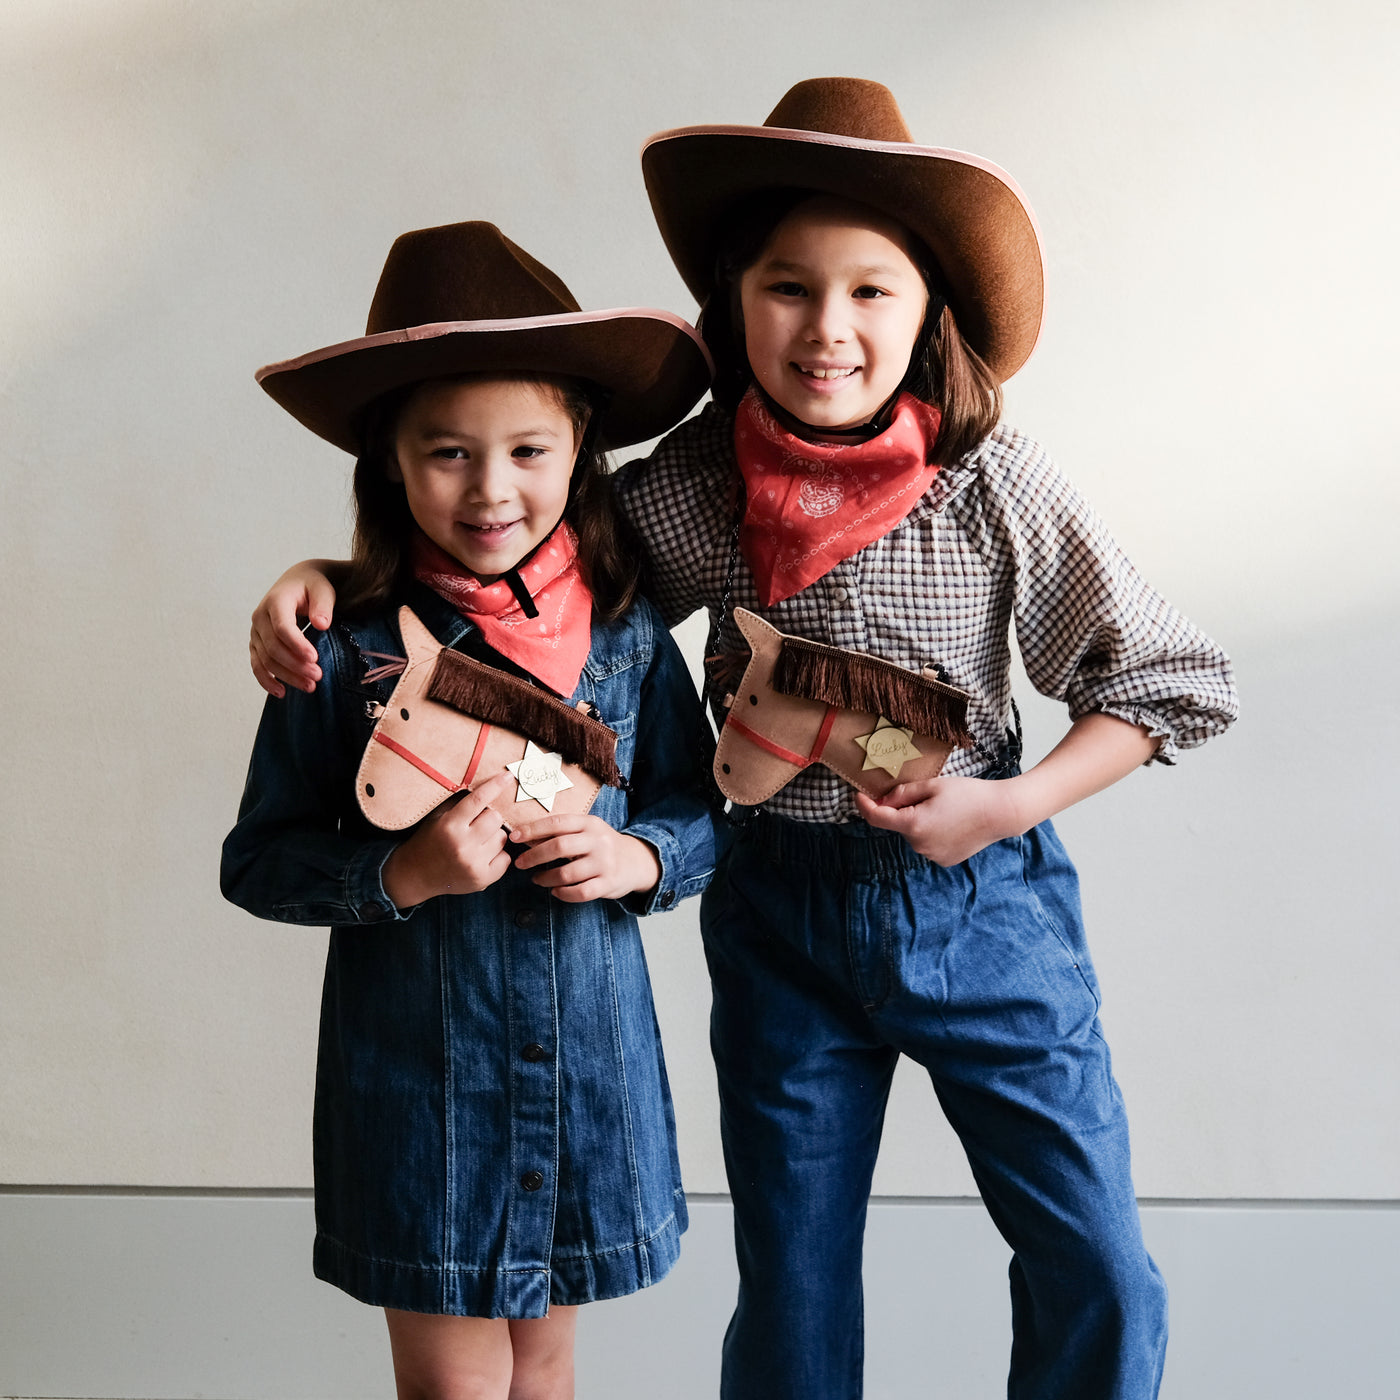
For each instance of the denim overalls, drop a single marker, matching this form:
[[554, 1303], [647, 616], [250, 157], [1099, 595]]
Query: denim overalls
[[493, 1126]]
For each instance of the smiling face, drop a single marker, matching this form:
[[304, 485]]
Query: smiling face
[[831, 310], [486, 466]]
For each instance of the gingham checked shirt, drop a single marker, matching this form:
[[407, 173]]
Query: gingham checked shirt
[[1000, 536]]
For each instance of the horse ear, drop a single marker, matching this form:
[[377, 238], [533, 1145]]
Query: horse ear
[[418, 643], [756, 631]]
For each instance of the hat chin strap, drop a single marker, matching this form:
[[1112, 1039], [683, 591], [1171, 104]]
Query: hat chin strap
[[516, 584], [810, 432]]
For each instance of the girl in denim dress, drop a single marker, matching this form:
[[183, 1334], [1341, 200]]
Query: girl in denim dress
[[865, 298], [494, 1140]]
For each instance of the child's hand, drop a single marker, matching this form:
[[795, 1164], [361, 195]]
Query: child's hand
[[277, 650], [598, 862], [950, 819], [946, 819], [459, 849]]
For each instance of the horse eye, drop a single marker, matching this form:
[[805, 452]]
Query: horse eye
[[404, 713]]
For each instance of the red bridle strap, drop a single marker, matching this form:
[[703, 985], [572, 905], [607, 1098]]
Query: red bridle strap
[[476, 755], [423, 767], [777, 750]]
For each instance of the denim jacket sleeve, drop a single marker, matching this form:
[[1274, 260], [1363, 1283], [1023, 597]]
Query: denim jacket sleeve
[[300, 852], [673, 804]]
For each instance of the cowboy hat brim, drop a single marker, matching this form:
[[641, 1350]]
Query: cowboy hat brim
[[652, 365], [969, 212]]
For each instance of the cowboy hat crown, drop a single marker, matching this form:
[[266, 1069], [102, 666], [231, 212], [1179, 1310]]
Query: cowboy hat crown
[[854, 107], [462, 272], [462, 299]]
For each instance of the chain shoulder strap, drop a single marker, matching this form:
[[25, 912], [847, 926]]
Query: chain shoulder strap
[[714, 658]]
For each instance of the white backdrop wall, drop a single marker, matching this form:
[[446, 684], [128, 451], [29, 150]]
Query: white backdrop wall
[[193, 189]]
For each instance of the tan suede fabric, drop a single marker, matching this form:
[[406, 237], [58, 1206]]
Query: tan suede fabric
[[749, 773], [393, 793]]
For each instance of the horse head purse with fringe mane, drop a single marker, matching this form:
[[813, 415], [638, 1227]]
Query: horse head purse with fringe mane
[[452, 722], [871, 722]]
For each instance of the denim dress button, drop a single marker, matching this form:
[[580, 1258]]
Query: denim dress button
[[524, 918], [534, 1053], [668, 898], [532, 1181]]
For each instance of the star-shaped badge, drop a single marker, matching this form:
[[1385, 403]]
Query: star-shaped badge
[[888, 746], [539, 775]]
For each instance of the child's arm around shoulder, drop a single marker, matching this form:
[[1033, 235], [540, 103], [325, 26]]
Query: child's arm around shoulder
[[298, 853], [675, 499], [679, 500], [279, 653], [301, 852]]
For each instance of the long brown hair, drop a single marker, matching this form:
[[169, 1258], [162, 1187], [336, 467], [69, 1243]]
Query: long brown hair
[[380, 567], [944, 370]]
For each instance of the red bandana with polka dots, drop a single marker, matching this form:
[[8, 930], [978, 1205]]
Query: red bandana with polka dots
[[551, 647], [812, 504]]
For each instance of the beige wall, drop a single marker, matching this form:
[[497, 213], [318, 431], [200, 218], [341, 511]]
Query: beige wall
[[193, 190]]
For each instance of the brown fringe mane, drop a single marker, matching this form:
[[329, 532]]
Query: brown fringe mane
[[854, 681], [490, 695]]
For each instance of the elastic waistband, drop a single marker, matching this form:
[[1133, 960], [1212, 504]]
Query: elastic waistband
[[852, 849]]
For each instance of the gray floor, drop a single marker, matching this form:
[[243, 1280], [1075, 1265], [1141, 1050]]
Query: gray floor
[[182, 1296]]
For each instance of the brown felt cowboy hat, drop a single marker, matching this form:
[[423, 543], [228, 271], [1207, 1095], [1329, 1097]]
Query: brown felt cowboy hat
[[846, 136], [463, 298]]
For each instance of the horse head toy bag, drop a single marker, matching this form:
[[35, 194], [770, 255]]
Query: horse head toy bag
[[799, 702], [452, 715]]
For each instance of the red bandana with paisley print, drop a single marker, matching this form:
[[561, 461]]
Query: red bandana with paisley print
[[812, 504], [551, 647]]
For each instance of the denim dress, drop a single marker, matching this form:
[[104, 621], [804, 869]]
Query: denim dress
[[493, 1126]]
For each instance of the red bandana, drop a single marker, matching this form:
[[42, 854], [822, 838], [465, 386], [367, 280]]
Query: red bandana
[[551, 647], [813, 504]]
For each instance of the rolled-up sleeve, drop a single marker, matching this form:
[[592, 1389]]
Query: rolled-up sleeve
[[1092, 632]]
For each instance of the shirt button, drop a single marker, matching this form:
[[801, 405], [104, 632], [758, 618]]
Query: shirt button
[[838, 595], [532, 1181], [535, 1053], [524, 918], [372, 910]]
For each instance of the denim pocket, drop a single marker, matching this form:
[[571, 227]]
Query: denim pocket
[[1046, 871], [717, 905], [624, 726]]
